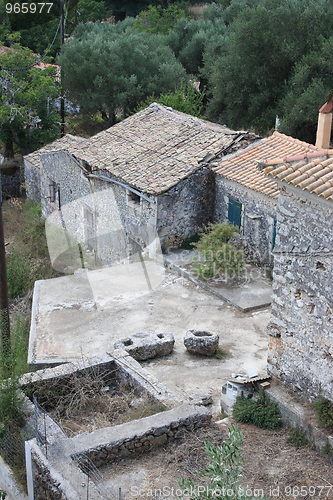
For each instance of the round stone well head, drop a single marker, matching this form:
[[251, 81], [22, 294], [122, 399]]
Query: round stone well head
[[201, 342]]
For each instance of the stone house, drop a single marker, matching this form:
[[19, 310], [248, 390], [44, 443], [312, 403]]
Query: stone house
[[301, 323], [145, 177], [247, 198]]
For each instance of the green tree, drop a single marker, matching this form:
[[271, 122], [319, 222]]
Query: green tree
[[189, 38], [28, 117], [250, 73], [309, 86], [108, 68], [158, 20]]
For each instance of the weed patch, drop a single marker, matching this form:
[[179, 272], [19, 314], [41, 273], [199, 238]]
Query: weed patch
[[297, 437], [324, 412]]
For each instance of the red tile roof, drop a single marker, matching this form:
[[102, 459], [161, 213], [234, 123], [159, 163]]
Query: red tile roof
[[312, 173], [242, 167]]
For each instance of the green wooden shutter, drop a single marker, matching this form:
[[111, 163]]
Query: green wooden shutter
[[234, 212]]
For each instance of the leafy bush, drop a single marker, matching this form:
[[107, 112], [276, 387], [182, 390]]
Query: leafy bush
[[216, 253], [185, 99], [258, 411], [18, 274], [324, 411]]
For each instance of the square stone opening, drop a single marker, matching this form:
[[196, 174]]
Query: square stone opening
[[92, 398]]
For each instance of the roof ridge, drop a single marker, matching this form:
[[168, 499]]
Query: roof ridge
[[293, 139]]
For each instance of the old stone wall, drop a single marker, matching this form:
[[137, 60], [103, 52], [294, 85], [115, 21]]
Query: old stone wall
[[186, 208], [257, 218], [32, 182], [98, 214], [139, 436], [11, 180], [57, 467], [301, 345]]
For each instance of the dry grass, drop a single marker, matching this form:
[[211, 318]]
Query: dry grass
[[86, 403], [271, 464]]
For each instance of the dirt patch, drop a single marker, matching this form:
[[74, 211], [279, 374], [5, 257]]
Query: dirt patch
[[273, 466]]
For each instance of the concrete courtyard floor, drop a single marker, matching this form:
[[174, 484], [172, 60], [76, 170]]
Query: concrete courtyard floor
[[80, 316]]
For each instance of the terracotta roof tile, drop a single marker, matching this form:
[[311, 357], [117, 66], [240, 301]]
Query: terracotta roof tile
[[313, 173], [242, 167]]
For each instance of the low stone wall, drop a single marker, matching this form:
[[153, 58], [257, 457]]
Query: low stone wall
[[139, 436], [53, 466], [300, 415]]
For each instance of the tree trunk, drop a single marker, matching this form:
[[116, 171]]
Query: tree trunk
[[110, 119], [9, 150]]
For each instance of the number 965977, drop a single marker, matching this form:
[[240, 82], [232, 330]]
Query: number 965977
[[28, 8]]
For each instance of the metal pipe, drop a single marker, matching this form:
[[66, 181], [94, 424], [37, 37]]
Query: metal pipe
[[108, 179]]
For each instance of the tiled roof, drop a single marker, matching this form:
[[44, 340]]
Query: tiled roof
[[65, 143], [242, 167], [155, 148], [311, 172]]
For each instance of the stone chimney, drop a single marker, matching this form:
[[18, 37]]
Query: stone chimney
[[325, 124]]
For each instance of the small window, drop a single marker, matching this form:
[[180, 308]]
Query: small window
[[133, 198]]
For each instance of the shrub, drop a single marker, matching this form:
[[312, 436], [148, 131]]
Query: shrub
[[257, 411], [216, 253], [324, 411], [297, 436]]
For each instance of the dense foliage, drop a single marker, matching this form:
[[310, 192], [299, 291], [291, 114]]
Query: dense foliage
[[324, 412], [258, 411], [216, 254], [109, 69], [28, 116]]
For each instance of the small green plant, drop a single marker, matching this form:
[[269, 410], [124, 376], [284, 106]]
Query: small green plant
[[215, 252], [225, 470], [327, 450], [18, 274], [223, 415], [220, 353], [297, 437], [324, 411], [258, 411]]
